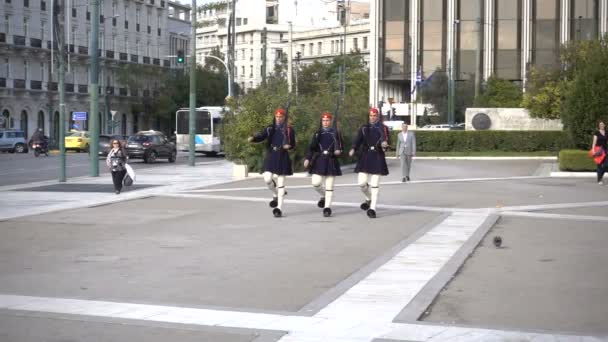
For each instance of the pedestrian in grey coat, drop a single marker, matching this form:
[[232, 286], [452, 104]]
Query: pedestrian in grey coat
[[406, 149]]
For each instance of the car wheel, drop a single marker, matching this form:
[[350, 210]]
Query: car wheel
[[151, 158], [19, 148], [173, 156], [86, 148]]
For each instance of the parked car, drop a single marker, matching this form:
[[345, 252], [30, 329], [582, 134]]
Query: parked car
[[149, 146], [77, 140], [105, 143], [13, 141]]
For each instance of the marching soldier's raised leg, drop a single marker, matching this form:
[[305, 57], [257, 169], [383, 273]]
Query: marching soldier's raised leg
[[364, 186], [272, 186], [316, 181]]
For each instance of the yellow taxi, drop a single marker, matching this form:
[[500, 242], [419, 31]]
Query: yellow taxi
[[77, 140]]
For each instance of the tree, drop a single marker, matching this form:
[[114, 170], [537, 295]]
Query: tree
[[544, 93], [318, 91], [499, 93], [435, 92], [585, 101]]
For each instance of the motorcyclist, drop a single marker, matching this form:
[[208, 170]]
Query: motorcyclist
[[39, 138]]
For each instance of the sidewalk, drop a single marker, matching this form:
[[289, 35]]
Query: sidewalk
[[48, 196]]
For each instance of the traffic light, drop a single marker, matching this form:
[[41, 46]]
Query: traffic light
[[180, 56]]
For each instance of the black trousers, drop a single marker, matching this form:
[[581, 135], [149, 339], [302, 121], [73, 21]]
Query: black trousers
[[600, 171], [117, 177]]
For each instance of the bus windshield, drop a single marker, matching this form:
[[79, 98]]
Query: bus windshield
[[203, 123]]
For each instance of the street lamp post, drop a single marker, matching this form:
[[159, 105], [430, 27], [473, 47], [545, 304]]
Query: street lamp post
[[451, 75], [227, 71]]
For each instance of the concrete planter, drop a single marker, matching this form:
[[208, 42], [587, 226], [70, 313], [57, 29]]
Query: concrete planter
[[240, 171]]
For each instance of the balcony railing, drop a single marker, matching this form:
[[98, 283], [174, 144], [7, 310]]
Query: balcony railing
[[122, 91], [37, 85], [19, 40], [134, 92], [123, 56], [146, 92], [69, 87], [35, 42], [83, 50], [83, 88], [146, 60], [109, 54], [2, 82], [18, 84], [52, 86], [134, 58], [156, 61]]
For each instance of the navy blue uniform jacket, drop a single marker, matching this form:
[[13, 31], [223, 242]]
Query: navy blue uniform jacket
[[277, 159], [321, 152], [368, 141]]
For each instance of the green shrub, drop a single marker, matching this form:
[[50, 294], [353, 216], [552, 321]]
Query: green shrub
[[575, 160], [476, 141]]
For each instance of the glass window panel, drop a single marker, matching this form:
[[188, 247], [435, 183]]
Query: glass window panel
[[507, 34], [395, 10], [507, 9], [432, 9], [431, 60], [546, 34], [546, 9], [466, 64], [469, 9], [507, 64], [394, 64], [395, 43], [546, 58], [395, 27], [468, 35], [432, 35], [584, 8], [583, 29]]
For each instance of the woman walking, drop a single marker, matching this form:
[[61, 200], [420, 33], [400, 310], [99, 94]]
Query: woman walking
[[599, 146], [117, 158]]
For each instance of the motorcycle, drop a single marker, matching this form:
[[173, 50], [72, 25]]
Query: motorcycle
[[40, 148]]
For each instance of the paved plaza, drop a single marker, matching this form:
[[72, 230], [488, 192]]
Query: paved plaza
[[190, 254]]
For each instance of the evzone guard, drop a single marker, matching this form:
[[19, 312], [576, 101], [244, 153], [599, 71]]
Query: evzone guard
[[281, 139], [322, 161], [371, 140]]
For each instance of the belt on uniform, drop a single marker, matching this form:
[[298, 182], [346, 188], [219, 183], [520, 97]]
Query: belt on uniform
[[325, 152], [275, 148]]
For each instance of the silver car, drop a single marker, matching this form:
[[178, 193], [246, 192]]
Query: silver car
[[13, 141]]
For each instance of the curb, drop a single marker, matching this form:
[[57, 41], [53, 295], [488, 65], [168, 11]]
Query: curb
[[481, 158], [573, 174]]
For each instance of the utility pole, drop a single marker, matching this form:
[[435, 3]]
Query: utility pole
[[192, 116], [107, 99], [57, 11], [232, 45], [264, 46], [289, 61], [344, 21], [94, 90], [451, 75]]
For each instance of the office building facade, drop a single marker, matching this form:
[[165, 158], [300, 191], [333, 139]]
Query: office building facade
[[416, 37]]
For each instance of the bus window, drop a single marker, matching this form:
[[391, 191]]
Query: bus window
[[217, 126]]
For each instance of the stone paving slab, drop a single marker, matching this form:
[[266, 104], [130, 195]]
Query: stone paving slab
[[184, 252], [16, 326], [549, 275]]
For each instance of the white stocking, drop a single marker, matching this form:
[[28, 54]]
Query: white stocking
[[362, 182], [272, 186], [316, 184], [281, 190], [329, 190], [375, 182]]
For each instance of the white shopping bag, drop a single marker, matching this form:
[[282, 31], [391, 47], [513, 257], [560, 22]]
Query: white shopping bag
[[130, 176]]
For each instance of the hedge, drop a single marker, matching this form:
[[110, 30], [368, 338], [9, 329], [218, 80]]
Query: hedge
[[575, 160], [470, 141]]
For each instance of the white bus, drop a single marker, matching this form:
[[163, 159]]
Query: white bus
[[208, 123]]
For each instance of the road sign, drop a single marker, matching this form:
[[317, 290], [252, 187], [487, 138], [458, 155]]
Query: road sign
[[79, 116]]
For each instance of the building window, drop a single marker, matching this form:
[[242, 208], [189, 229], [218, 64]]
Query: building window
[[507, 58], [583, 19], [433, 40], [319, 48], [466, 39], [42, 5], [74, 12], [545, 33], [26, 3], [25, 26], [355, 44], [243, 71], [365, 43], [302, 48], [244, 21], [311, 46]]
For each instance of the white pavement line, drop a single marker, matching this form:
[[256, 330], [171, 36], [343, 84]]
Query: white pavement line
[[158, 313], [537, 207], [187, 194], [555, 216]]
